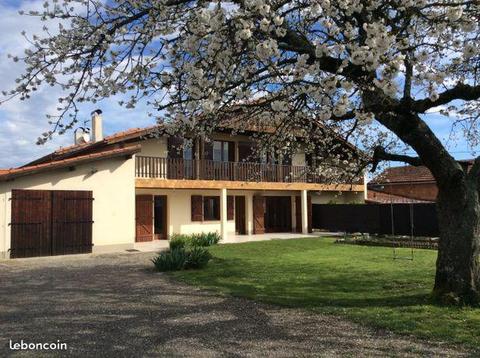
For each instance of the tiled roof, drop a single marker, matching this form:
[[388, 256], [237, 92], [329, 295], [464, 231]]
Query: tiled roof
[[108, 140], [410, 174], [374, 196], [18, 172], [404, 174]]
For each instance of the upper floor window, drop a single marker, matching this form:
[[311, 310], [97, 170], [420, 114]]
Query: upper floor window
[[188, 152], [220, 151]]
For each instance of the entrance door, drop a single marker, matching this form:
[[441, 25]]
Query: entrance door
[[144, 218], [160, 217], [240, 215], [258, 214], [278, 214]]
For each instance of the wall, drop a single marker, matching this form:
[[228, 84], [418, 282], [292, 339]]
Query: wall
[[335, 197], [179, 207], [420, 191], [155, 147], [113, 184], [158, 147]]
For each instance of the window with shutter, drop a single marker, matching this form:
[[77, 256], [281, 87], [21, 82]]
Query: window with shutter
[[211, 208], [197, 208]]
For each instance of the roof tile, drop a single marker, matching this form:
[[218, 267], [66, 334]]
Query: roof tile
[[12, 173]]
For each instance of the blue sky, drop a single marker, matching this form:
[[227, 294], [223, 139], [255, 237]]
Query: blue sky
[[21, 122]]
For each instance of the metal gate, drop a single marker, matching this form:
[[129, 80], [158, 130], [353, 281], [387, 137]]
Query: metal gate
[[51, 222]]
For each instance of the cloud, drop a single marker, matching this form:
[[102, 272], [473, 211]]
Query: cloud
[[22, 122]]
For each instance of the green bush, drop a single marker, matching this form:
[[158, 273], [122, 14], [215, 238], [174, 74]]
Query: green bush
[[171, 260], [205, 239], [193, 240], [178, 241], [197, 257]]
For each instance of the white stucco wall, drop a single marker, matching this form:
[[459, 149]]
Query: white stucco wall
[[113, 184], [155, 147], [179, 207]]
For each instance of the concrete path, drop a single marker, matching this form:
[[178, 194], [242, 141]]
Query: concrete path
[[115, 305]]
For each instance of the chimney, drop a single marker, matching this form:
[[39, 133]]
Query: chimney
[[97, 130]]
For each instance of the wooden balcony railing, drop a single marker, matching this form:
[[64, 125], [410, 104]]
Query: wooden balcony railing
[[200, 169]]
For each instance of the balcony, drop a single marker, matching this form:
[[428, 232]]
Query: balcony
[[200, 169]]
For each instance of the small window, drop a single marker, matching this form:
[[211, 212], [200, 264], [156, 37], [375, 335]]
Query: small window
[[211, 208]]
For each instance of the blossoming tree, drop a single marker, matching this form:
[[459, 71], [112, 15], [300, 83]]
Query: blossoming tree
[[366, 71]]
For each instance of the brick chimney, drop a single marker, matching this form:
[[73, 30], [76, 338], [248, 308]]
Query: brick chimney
[[97, 126]]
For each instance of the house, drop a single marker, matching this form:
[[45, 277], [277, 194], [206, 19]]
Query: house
[[405, 184], [108, 193]]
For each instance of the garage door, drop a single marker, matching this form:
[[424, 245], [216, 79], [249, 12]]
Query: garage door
[[51, 222]]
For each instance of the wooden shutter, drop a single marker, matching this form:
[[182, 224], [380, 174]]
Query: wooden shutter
[[258, 214], [144, 218], [230, 207], [244, 152], [231, 151], [208, 150], [298, 214], [197, 208], [175, 150], [309, 213]]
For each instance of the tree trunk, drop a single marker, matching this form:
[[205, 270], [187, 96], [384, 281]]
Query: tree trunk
[[457, 278]]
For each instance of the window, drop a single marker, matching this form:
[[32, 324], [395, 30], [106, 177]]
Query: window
[[188, 153], [211, 208], [221, 151]]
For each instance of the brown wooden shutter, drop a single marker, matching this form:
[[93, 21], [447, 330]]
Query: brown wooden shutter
[[230, 207], [298, 214], [258, 214], [175, 150], [231, 151], [309, 213], [208, 150], [244, 152], [197, 208]]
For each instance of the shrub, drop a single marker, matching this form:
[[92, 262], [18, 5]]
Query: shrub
[[171, 260], [178, 241], [205, 239], [197, 257]]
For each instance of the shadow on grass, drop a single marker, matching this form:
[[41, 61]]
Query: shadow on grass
[[300, 285]]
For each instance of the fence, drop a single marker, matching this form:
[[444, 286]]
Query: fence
[[377, 218]]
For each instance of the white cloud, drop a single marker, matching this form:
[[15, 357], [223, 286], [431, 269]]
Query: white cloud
[[22, 122]]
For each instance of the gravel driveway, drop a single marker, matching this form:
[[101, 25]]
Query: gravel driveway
[[115, 305]]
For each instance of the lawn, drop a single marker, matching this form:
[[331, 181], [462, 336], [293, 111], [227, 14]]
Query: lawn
[[362, 283]]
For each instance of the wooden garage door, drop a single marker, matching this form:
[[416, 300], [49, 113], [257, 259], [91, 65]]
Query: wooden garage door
[[46, 222], [31, 223], [71, 222]]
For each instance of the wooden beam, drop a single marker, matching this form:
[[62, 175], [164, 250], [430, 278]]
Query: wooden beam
[[240, 185]]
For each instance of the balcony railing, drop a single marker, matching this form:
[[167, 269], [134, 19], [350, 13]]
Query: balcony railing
[[201, 169]]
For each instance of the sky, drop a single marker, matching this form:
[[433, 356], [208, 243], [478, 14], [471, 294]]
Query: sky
[[22, 122]]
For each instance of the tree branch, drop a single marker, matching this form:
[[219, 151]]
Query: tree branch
[[460, 91], [379, 155]]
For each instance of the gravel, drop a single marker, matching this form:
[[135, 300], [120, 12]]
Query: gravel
[[116, 305]]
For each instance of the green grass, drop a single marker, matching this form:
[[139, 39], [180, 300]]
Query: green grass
[[362, 283]]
